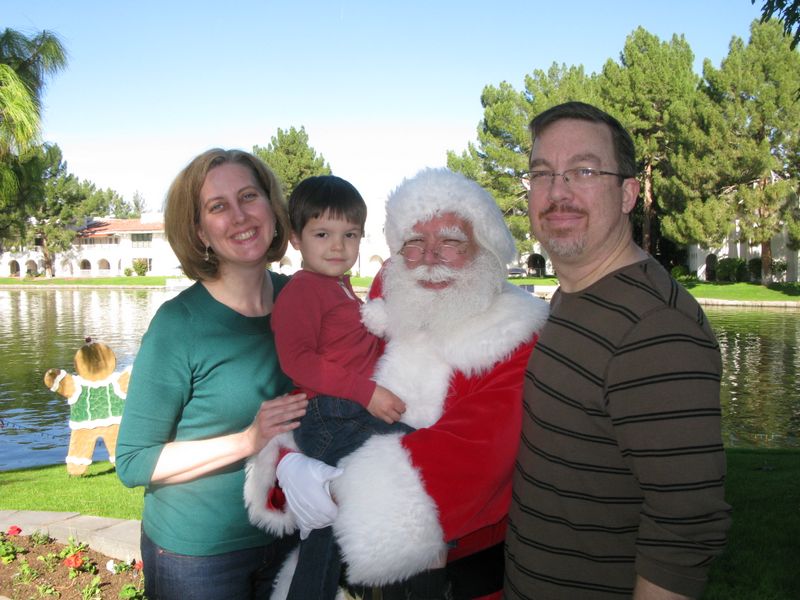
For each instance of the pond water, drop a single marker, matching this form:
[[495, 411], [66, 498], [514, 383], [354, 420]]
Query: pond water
[[40, 329]]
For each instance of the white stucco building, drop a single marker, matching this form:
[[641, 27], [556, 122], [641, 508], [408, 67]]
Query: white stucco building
[[700, 259], [105, 247], [108, 247]]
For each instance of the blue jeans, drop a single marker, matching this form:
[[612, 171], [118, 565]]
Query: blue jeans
[[334, 427], [239, 575], [331, 429]]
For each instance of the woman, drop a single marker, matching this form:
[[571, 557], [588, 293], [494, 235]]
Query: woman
[[194, 410]]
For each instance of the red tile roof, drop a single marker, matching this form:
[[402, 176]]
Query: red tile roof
[[111, 227]]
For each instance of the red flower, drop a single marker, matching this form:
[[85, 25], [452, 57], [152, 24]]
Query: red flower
[[74, 561], [13, 530], [138, 565]]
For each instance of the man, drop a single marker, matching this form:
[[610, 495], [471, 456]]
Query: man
[[458, 339], [618, 487]]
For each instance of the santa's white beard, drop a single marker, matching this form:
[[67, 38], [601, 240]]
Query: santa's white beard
[[471, 291]]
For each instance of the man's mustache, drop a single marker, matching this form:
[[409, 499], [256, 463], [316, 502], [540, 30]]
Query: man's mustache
[[562, 208]]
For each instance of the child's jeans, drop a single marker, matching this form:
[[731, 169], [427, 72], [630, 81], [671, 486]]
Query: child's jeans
[[331, 429]]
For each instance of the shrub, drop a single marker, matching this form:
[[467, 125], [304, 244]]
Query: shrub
[[140, 266], [128, 271], [754, 268], [679, 271], [732, 269], [779, 269]]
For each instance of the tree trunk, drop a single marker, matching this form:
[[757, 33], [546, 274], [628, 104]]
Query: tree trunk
[[766, 263], [647, 209], [48, 261]]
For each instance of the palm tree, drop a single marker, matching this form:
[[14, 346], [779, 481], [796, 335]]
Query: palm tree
[[33, 58], [25, 64]]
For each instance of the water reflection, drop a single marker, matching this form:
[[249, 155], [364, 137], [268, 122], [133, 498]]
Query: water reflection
[[40, 329], [761, 388]]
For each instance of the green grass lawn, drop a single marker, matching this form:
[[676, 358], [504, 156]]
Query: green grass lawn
[[98, 492], [752, 292], [760, 562]]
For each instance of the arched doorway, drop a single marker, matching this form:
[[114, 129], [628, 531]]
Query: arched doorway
[[536, 265], [285, 266], [373, 266], [13, 269], [31, 269]]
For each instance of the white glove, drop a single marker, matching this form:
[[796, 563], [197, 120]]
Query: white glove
[[306, 485]]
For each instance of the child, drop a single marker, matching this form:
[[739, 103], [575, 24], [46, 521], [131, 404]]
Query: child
[[323, 346]]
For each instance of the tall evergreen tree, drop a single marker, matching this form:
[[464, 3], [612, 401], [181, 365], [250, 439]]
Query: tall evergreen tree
[[500, 158], [694, 211], [755, 89], [291, 158], [651, 87], [787, 12]]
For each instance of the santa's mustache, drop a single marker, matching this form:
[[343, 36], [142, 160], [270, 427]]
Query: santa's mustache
[[434, 274]]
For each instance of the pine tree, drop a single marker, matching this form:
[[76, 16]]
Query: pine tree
[[651, 87], [499, 160], [291, 158], [755, 88]]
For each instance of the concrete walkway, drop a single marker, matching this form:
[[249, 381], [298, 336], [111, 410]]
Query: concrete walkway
[[116, 538]]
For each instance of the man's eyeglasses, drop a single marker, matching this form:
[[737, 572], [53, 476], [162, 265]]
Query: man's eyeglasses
[[446, 253], [577, 178]]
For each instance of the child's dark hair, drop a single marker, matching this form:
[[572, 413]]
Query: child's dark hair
[[325, 195]]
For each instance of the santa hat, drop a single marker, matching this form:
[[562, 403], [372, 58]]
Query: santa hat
[[432, 192]]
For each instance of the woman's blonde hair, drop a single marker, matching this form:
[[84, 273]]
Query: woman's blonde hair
[[182, 211]]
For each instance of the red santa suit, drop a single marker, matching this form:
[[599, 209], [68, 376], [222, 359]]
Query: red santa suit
[[407, 500]]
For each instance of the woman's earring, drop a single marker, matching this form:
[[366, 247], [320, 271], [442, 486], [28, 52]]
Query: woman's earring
[[207, 257]]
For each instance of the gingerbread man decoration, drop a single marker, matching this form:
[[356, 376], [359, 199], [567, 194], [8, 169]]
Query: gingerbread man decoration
[[96, 396]]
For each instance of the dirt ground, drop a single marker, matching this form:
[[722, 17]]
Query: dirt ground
[[38, 570]]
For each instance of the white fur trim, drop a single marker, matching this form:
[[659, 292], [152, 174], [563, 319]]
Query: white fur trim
[[59, 378], [78, 460], [413, 368], [373, 316], [259, 480], [388, 527], [284, 578], [476, 344], [436, 191], [280, 589]]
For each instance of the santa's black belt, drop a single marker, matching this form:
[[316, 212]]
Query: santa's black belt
[[472, 576]]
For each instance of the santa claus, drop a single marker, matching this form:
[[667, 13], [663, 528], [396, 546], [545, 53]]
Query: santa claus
[[458, 340]]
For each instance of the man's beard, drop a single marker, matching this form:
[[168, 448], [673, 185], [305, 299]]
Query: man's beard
[[571, 244], [471, 291], [567, 247]]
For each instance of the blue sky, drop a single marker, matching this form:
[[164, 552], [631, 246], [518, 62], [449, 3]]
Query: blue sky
[[382, 88]]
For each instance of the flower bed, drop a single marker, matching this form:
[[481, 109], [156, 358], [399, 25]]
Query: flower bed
[[36, 566]]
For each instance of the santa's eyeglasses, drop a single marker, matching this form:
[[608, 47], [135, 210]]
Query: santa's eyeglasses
[[445, 252]]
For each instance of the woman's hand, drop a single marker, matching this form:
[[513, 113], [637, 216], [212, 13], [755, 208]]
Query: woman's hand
[[188, 460], [273, 418]]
